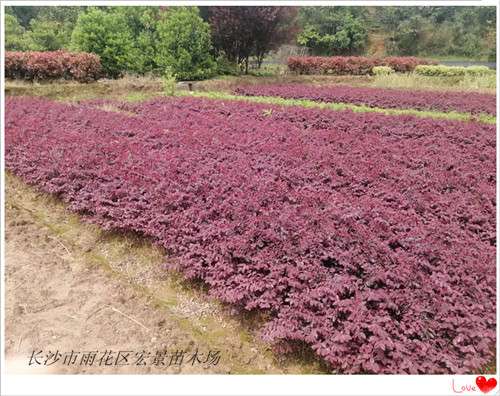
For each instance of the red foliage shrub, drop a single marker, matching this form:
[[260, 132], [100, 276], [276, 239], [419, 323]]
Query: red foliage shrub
[[49, 65], [405, 63], [470, 102], [371, 238], [15, 64], [353, 65]]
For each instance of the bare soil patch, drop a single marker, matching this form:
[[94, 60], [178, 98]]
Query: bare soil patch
[[73, 287]]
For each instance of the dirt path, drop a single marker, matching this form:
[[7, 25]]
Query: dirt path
[[71, 287]]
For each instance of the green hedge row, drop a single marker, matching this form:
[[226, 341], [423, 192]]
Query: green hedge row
[[451, 71]]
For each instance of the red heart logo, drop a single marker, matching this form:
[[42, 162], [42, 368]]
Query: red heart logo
[[484, 385]]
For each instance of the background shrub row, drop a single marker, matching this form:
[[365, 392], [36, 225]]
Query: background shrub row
[[452, 71], [370, 238], [357, 65], [51, 65], [382, 70], [474, 103]]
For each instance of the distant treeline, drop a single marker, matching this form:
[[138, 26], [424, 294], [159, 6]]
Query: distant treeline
[[467, 32], [197, 42]]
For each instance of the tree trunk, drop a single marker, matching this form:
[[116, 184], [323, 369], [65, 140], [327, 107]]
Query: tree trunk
[[260, 59]]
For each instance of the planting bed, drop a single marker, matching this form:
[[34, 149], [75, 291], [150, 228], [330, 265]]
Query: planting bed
[[371, 238], [351, 65], [470, 102]]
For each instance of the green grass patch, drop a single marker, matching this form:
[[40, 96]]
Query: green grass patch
[[136, 97], [486, 118]]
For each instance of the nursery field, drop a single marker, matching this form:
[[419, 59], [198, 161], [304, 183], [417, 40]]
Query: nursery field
[[370, 238], [474, 103]]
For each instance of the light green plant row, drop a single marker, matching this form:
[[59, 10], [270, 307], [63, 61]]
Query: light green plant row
[[452, 71], [486, 118], [382, 70]]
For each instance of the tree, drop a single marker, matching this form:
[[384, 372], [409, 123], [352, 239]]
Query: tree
[[47, 35], [472, 31], [49, 28], [427, 31], [24, 14], [272, 27], [184, 44], [14, 34], [241, 32], [389, 18], [142, 23], [332, 30], [106, 34], [232, 33], [409, 36]]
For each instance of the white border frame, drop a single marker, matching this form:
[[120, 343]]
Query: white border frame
[[222, 385]]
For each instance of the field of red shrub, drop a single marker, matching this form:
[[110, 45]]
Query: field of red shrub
[[470, 102], [51, 65], [370, 238], [351, 65]]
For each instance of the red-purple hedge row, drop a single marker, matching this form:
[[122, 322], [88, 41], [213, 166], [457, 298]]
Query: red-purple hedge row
[[405, 64], [470, 102], [355, 65], [50, 65], [371, 238]]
